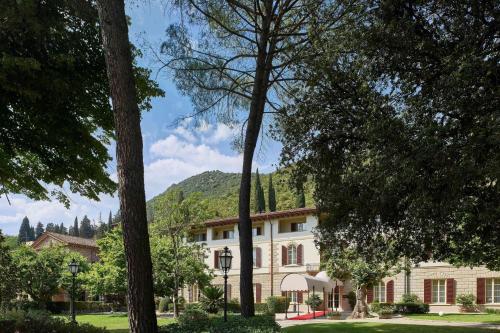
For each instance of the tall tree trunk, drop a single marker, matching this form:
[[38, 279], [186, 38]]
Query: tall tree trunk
[[360, 310], [141, 306], [254, 123]]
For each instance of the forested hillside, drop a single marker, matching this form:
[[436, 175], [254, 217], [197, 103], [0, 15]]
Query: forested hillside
[[220, 189]]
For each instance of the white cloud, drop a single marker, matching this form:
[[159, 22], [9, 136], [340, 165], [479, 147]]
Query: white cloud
[[221, 133]]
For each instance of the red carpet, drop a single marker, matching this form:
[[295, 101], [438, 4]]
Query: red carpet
[[308, 316]]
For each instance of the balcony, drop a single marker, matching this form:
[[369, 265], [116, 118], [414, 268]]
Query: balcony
[[312, 268]]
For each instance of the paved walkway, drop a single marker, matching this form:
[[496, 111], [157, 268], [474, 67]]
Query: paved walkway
[[402, 321]]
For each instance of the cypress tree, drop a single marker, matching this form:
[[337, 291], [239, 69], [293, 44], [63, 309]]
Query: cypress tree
[[76, 230], [39, 230], [110, 221], [24, 231], [57, 229], [50, 227], [272, 195], [300, 200], [62, 229], [260, 201]]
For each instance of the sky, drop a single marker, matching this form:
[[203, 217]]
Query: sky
[[173, 150]]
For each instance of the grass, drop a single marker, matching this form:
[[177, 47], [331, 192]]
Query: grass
[[487, 318], [380, 328], [116, 323]]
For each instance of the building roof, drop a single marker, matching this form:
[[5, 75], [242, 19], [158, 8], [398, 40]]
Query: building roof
[[264, 216], [66, 240]]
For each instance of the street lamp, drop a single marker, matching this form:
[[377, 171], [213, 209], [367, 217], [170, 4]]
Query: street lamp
[[225, 259], [73, 268]]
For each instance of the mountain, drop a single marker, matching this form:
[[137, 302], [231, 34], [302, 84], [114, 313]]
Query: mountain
[[221, 191]]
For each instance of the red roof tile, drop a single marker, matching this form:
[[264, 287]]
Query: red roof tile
[[263, 216]]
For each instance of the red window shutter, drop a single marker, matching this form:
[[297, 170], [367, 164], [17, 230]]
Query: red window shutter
[[258, 255], [481, 291], [300, 297], [341, 292], [450, 291], [427, 291], [284, 256], [390, 291], [369, 295], [300, 254], [216, 259], [283, 293], [258, 293]]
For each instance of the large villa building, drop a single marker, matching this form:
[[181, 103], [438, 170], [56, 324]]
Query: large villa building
[[286, 260]]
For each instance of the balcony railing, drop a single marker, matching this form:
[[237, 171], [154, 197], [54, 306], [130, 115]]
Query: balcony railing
[[312, 268]]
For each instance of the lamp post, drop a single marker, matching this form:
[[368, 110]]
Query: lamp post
[[73, 268], [225, 259]]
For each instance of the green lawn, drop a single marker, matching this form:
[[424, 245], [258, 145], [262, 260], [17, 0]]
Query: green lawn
[[380, 328], [488, 318], [114, 323]]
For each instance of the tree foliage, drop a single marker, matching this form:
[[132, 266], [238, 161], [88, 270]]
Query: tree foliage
[[55, 116], [260, 200], [271, 196], [398, 127], [9, 273], [26, 233]]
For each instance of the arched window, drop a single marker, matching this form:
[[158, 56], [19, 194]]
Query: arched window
[[292, 254]]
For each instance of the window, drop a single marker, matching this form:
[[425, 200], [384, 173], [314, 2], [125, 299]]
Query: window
[[379, 292], [293, 297], [228, 234], [200, 237], [295, 227], [438, 291], [256, 231], [292, 255], [254, 255], [492, 290]]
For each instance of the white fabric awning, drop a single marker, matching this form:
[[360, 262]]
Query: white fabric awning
[[304, 282]]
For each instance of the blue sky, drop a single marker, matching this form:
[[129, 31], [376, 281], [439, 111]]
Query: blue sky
[[171, 152]]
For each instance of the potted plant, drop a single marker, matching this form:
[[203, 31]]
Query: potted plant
[[466, 302], [335, 315]]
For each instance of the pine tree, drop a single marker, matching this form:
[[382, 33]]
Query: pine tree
[[39, 230], [260, 201], [86, 230], [300, 200], [272, 195], [76, 231], [24, 231]]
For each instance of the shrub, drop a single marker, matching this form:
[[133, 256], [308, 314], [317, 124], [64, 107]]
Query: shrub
[[313, 301], [409, 308], [351, 297], [163, 305], [86, 307], [235, 324], [492, 311], [467, 301], [380, 308], [34, 321], [261, 308], [193, 319], [234, 306], [212, 299], [277, 304], [410, 298]]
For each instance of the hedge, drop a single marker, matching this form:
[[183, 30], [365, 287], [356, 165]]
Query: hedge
[[235, 324], [409, 308], [85, 307]]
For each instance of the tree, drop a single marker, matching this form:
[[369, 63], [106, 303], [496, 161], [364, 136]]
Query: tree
[[272, 195], [55, 81], [25, 234], [66, 278], [110, 221], [8, 284], [101, 230], [86, 230], [175, 219], [76, 230], [50, 227], [62, 229], [240, 60], [39, 272], [260, 200], [390, 131], [108, 276], [125, 98], [300, 197], [39, 230], [57, 228]]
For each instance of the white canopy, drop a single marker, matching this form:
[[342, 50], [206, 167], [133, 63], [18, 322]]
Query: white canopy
[[304, 282]]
